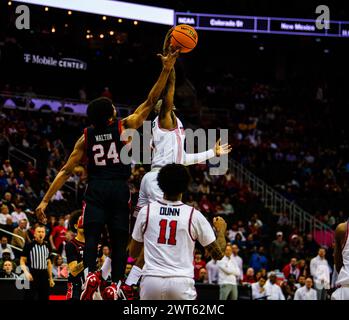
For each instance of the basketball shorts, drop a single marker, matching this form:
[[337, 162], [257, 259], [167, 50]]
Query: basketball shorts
[[341, 293], [167, 288]]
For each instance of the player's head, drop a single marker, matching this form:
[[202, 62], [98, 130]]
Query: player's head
[[75, 221], [173, 180], [100, 111]]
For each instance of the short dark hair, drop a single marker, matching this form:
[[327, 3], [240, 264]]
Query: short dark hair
[[99, 111], [74, 217], [173, 179]]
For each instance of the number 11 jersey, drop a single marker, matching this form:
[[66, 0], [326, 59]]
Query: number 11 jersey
[[169, 231]]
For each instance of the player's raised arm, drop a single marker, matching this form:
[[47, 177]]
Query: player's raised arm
[[217, 151], [166, 116], [62, 176], [216, 248], [136, 119]]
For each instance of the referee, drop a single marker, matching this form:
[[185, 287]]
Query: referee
[[35, 257]]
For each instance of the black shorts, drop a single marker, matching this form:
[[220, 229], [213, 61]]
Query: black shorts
[[107, 202]]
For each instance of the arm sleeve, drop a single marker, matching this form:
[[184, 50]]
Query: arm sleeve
[[193, 158], [71, 253], [201, 229], [140, 225]]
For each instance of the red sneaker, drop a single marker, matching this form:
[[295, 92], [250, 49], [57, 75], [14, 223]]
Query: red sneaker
[[129, 292], [111, 292], [90, 286]]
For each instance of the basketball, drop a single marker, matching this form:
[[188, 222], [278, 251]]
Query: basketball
[[184, 38]]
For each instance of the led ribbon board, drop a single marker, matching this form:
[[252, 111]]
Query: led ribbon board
[[290, 26], [111, 8]]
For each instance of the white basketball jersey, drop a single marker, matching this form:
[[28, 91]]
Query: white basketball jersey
[[167, 145], [169, 231], [343, 277]]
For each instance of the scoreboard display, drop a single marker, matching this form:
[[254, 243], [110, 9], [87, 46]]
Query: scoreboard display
[[290, 26]]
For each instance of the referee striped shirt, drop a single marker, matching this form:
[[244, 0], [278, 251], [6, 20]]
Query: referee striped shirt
[[37, 255]]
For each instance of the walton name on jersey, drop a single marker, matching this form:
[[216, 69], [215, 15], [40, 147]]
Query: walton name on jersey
[[104, 137], [166, 211]]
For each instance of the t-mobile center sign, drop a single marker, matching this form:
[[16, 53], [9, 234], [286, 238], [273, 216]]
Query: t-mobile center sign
[[65, 63]]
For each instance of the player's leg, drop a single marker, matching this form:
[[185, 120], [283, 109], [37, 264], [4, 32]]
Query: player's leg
[[93, 217], [118, 227]]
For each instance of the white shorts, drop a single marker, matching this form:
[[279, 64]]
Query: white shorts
[[149, 191], [167, 288], [341, 293]]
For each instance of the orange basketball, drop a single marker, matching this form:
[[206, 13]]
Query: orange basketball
[[184, 38]]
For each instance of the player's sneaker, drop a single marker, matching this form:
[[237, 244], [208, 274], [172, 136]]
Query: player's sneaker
[[90, 286], [111, 292], [129, 292]]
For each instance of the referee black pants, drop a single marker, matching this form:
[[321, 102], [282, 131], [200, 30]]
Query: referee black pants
[[38, 288]]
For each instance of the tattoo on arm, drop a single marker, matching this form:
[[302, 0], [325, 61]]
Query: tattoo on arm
[[215, 251]]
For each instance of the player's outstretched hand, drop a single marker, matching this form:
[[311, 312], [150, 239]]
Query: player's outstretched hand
[[221, 149], [40, 212], [169, 60], [219, 224]]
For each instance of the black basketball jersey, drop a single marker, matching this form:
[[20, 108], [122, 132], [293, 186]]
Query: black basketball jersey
[[74, 250], [103, 148]]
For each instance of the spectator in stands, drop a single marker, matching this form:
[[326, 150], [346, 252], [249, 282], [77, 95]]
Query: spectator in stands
[[296, 245], [227, 276], [238, 260], [273, 291], [7, 201], [212, 271], [198, 264], [5, 247], [301, 281], [28, 190], [58, 234], [3, 181], [249, 276], [291, 268], [21, 231], [69, 235], [276, 250], [203, 276], [5, 219], [320, 271], [283, 220], [310, 247], [303, 267], [227, 206], [258, 289], [205, 205], [233, 232], [258, 260], [7, 167], [255, 224], [18, 215], [289, 287], [59, 269], [239, 242], [306, 292], [51, 170], [7, 271]]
